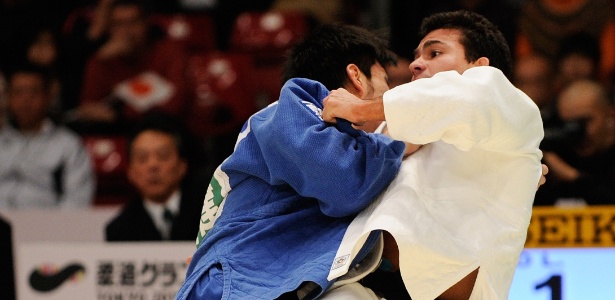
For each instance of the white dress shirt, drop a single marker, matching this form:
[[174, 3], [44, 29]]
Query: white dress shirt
[[156, 211]]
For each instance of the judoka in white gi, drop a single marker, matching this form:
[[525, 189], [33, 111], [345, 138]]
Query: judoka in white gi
[[463, 201]]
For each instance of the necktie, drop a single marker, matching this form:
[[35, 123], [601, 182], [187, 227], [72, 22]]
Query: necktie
[[167, 216]]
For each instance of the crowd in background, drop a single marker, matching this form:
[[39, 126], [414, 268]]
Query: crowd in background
[[104, 66], [121, 102]]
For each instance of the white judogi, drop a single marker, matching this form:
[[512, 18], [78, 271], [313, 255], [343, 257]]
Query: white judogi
[[464, 200]]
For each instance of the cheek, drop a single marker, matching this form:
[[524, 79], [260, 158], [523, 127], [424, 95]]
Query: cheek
[[137, 173], [172, 170], [24, 105], [12, 104], [134, 177], [593, 128], [39, 104], [444, 64]]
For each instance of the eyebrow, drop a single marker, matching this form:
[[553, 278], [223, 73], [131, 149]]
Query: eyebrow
[[427, 44]]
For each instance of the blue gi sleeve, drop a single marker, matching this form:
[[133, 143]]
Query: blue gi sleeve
[[345, 169]]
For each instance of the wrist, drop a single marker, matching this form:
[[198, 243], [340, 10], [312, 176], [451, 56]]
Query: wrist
[[371, 110]]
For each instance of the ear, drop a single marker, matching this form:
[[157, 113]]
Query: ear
[[355, 79], [482, 61]]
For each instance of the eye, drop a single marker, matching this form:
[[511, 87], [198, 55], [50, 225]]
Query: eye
[[140, 158], [435, 53]]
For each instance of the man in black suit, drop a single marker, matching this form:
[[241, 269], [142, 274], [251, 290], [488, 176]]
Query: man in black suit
[[168, 207]]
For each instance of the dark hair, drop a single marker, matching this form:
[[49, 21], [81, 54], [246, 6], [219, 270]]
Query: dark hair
[[326, 51], [29, 68], [480, 37], [163, 123]]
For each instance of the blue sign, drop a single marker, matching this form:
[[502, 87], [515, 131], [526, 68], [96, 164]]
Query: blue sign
[[565, 274]]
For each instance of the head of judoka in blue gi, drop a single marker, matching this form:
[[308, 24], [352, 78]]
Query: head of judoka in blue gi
[[343, 56]]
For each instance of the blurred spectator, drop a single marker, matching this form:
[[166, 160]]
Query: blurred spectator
[[134, 72], [534, 75], [581, 153], [544, 23], [20, 17], [42, 50], [225, 13], [41, 164], [84, 31], [578, 58], [168, 205]]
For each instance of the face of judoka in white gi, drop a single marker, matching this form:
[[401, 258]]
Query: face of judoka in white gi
[[439, 51]]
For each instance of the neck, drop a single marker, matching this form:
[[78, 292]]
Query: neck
[[162, 199]]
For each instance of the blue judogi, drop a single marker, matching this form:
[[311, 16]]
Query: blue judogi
[[296, 184]]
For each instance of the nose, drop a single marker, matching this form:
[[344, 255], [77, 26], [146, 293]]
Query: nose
[[152, 164], [417, 66]]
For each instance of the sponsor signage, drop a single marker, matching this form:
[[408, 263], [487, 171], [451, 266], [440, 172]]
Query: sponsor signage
[[101, 270], [591, 226], [567, 256]]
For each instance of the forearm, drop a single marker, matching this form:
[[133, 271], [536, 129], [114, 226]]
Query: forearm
[[342, 104], [371, 110]]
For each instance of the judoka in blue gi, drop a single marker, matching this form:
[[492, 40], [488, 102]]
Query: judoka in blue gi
[[282, 201]]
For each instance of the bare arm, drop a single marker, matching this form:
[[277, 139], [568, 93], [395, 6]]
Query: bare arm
[[460, 290], [342, 104], [100, 21]]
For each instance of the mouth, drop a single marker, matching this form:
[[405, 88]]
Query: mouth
[[153, 181]]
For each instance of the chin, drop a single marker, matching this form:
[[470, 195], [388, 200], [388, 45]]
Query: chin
[[154, 194]]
